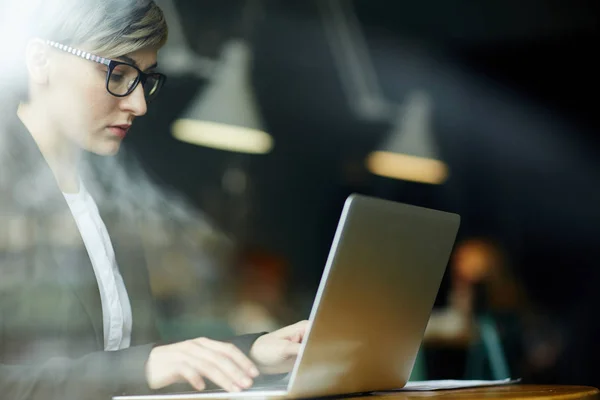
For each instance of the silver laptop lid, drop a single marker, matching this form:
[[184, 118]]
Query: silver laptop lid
[[380, 282]]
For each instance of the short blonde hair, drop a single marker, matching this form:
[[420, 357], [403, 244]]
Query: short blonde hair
[[110, 28]]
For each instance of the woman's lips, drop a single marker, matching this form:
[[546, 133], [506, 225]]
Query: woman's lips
[[119, 130]]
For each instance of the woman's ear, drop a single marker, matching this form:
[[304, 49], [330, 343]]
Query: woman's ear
[[37, 60]]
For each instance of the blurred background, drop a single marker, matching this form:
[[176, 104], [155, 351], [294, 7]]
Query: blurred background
[[275, 111]]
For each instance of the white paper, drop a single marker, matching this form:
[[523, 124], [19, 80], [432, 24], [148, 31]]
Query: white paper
[[451, 384]]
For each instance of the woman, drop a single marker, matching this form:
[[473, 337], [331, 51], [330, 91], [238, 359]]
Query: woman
[[76, 318]]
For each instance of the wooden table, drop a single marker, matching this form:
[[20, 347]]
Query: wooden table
[[538, 392]]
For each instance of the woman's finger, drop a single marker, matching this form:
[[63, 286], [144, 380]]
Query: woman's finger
[[217, 368], [232, 352], [190, 374]]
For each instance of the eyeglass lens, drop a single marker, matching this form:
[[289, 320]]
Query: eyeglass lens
[[124, 78]]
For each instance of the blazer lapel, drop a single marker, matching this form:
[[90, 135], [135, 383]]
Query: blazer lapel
[[76, 267], [38, 194]]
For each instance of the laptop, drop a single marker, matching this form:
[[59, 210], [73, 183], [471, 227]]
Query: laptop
[[372, 306]]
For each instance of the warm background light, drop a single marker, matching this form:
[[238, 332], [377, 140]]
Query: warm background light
[[222, 136], [408, 168]]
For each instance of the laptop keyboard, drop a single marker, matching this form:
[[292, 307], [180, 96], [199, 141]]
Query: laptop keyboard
[[279, 384]]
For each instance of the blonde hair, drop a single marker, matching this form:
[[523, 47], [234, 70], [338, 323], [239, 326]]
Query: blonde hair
[[110, 28]]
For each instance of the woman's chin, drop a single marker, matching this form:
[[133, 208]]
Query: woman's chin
[[106, 149]]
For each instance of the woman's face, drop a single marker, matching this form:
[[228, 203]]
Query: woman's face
[[79, 106]]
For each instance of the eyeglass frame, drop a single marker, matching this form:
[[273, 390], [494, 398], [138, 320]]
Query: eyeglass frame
[[112, 64]]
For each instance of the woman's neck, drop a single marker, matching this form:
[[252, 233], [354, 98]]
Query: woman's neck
[[60, 153]]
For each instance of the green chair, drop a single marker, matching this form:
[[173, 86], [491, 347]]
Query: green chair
[[485, 357]]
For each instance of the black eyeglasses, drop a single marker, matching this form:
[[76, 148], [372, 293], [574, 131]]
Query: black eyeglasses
[[121, 78]]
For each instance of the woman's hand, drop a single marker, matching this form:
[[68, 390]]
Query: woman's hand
[[193, 361], [276, 352]]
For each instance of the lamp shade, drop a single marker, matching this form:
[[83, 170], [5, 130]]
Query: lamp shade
[[409, 151], [225, 115]]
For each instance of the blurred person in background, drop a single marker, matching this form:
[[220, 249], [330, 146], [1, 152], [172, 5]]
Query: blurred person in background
[[76, 313], [482, 283]]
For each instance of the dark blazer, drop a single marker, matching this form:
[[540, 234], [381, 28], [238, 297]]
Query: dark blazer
[[51, 333]]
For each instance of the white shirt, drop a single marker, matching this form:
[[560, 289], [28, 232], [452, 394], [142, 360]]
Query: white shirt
[[116, 309]]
